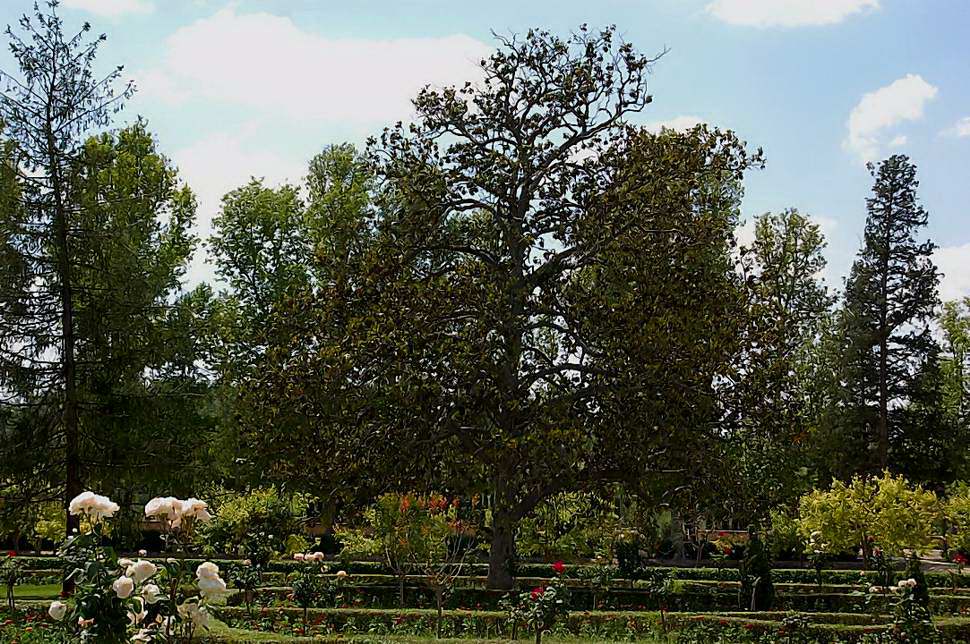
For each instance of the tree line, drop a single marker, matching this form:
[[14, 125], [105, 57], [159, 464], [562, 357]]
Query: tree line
[[517, 294]]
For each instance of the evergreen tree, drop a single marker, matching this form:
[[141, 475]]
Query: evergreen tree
[[94, 238], [891, 294]]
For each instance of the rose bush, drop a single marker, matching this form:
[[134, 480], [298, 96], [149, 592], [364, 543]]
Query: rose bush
[[117, 599]]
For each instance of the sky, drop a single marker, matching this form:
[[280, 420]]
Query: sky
[[241, 88]]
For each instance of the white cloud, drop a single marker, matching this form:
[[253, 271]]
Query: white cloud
[[267, 63], [220, 162], [901, 100], [111, 8], [954, 263], [960, 129], [898, 141], [787, 13], [678, 124]]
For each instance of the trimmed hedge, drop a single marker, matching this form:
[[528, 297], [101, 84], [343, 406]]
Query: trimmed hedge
[[691, 596], [604, 625], [543, 571]]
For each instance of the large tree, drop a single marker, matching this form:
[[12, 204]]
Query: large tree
[[94, 238], [890, 298], [787, 304], [546, 302]]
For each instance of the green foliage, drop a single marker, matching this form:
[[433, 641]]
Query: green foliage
[[757, 591], [784, 538], [11, 572], [788, 302], [260, 522], [887, 511], [885, 336], [568, 526], [957, 512]]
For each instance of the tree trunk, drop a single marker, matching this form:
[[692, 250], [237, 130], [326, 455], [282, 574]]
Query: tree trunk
[[502, 552], [72, 456], [883, 402], [439, 600]]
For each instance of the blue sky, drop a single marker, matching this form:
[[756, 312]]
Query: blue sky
[[252, 87]]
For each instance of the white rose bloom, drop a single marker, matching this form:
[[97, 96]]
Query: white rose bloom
[[144, 635], [192, 507], [207, 569], [873, 590], [124, 563], [142, 553], [141, 570], [81, 503], [93, 505], [57, 610], [163, 506], [104, 507], [123, 587], [298, 556], [151, 593], [192, 611], [212, 587]]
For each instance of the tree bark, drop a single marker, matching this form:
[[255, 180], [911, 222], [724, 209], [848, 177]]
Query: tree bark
[[502, 552], [72, 456]]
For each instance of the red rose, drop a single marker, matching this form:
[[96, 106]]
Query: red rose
[[11, 553], [537, 592], [961, 559], [559, 567]]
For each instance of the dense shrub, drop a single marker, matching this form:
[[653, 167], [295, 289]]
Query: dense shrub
[[256, 524], [884, 511]]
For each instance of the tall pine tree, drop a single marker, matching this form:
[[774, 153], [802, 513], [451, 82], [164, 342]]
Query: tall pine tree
[[94, 240], [891, 294]]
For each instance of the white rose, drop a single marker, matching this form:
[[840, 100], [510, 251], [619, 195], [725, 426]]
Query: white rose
[[142, 553], [196, 509], [151, 593], [103, 507], [124, 563], [81, 503], [123, 587], [57, 610], [298, 556], [192, 611], [144, 635], [141, 570], [207, 569], [163, 506], [212, 587]]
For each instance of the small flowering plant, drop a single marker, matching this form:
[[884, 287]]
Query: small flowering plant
[[118, 599], [542, 606], [10, 573]]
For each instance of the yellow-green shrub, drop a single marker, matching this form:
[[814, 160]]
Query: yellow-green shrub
[[887, 510]]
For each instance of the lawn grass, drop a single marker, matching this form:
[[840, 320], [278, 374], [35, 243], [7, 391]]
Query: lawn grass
[[37, 591]]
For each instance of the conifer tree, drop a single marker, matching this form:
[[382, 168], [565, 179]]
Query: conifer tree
[[891, 294]]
